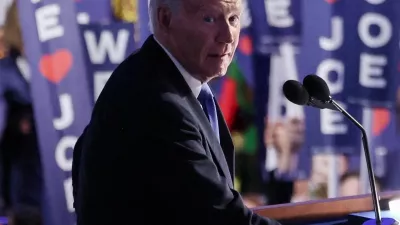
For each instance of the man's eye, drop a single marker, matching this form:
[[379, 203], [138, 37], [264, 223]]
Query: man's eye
[[209, 19], [234, 20]]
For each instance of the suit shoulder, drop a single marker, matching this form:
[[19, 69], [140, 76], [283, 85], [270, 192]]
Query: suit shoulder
[[130, 78], [137, 87]]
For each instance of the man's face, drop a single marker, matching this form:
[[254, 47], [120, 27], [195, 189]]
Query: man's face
[[204, 35]]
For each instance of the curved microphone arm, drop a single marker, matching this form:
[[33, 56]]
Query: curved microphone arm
[[375, 197]]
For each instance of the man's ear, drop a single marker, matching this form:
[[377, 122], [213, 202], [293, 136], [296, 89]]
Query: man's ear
[[164, 16]]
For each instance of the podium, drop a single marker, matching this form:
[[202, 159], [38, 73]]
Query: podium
[[343, 210]]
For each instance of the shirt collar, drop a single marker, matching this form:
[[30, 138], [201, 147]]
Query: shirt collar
[[194, 84]]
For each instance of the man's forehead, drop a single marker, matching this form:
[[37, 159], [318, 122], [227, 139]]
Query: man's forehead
[[227, 4]]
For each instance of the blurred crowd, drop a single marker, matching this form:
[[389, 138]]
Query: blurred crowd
[[20, 167], [284, 139]]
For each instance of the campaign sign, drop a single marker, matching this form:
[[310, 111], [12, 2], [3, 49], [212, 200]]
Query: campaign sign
[[328, 130], [366, 32], [106, 45], [275, 22], [61, 98]]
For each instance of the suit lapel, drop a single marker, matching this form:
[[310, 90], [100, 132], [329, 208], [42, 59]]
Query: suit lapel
[[226, 141], [216, 149]]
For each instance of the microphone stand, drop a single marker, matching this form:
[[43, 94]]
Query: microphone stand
[[375, 197]]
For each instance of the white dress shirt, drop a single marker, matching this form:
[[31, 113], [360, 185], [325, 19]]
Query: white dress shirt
[[194, 84]]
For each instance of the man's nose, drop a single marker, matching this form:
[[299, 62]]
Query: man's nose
[[225, 34]]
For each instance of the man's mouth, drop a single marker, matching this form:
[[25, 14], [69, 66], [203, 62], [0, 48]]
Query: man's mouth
[[219, 55]]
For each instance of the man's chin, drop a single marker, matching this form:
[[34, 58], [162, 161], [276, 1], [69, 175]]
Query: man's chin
[[209, 75]]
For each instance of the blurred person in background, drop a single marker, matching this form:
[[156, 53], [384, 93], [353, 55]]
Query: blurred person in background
[[20, 160], [317, 186], [287, 139], [322, 170], [350, 184]]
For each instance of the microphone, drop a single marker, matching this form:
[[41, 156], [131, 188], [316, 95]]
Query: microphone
[[316, 87], [295, 92]]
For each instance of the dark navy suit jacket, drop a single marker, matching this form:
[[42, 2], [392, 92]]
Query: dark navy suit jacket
[[149, 154]]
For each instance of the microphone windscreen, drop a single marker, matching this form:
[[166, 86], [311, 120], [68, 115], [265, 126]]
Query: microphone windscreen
[[295, 92], [316, 87]]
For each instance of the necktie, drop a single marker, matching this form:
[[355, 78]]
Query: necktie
[[206, 99]]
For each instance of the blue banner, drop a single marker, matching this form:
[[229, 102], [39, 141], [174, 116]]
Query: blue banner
[[107, 46], [61, 98], [275, 22], [327, 130], [367, 39], [352, 46]]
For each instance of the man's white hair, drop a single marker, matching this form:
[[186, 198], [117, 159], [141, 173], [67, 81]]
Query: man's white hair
[[153, 6]]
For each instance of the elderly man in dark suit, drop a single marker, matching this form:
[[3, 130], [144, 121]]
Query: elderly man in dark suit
[[157, 133]]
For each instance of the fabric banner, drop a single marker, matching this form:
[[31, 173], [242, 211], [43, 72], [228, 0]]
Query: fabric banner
[[364, 33], [107, 46], [371, 68], [327, 130], [61, 98], [352, 46], [333, 142], [275, 22], [277, 33]]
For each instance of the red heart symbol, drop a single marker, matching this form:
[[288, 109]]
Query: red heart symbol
[[381, 120], [56, 66]]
